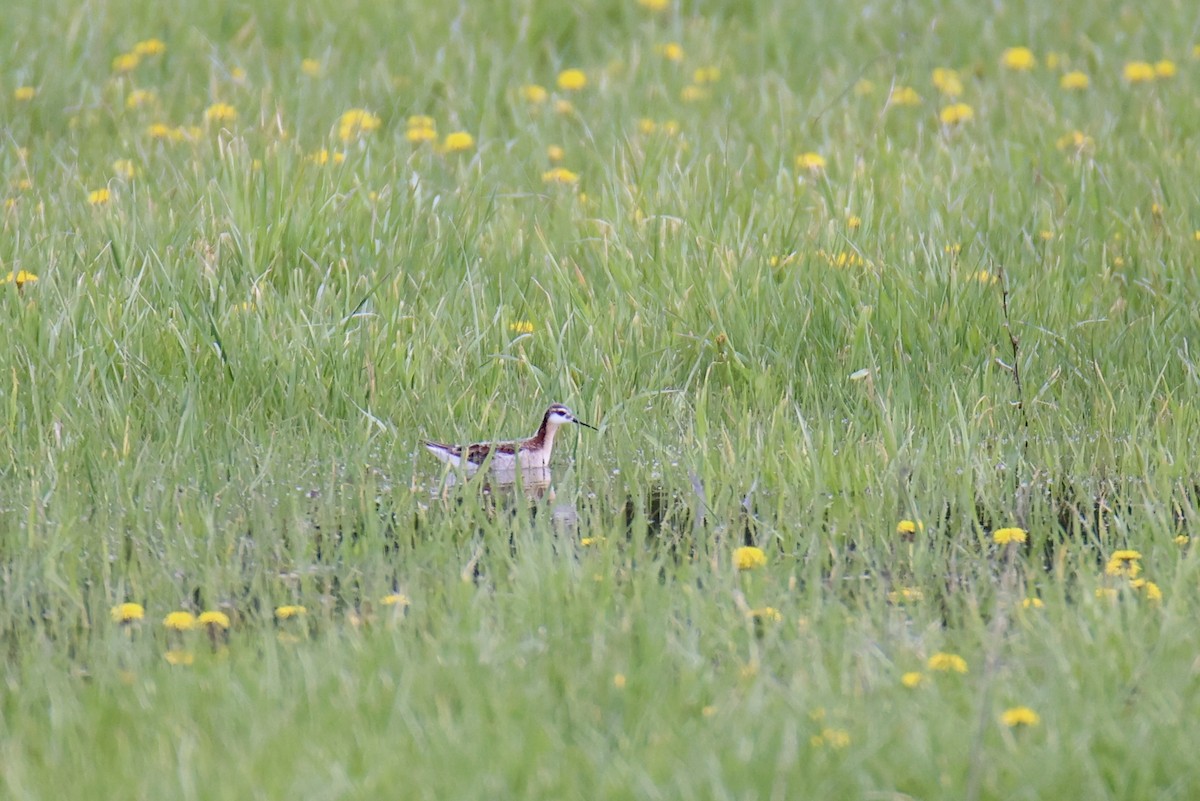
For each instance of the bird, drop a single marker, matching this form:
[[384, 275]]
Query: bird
[[532, 453]]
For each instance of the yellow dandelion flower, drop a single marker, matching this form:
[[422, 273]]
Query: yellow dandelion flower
[[559, 175], [180, 621], [1124, 563], [671, 51], [956, 113], [1020, 716], [124, 168], [854, 222], [647, 126], [24, 185], [947, 663], [1076, 140], [693, 93], [1032, 603], [708, 711], [766, 614], [911, 679], [161, 130], [654, 5], [237, 75], [1003, 536], [1106, 593], [1184, 539], [1164, 69], [904, 96], [310, 67], [220, 112], [563, 106], [290, 611], [555, 153], [1147, 588], [126, 62], [1196, 52], [906, 527], [906, 594], [458, 141], [150, 47], [588, 542], [127, 613], [572, 80], [1138, 72], [521, 327], [214, 619], [356, 122], [703, 75], [532, 93], [418, 135], [20, 278], [323, 157], [619, 681], [748, 557], [395, 599], [864, 87], [98, 197], [179, 657], [947, 82], [984, 277], [1074, 81], [139, 98], [23, 94], [813, 162], [1020, 59]]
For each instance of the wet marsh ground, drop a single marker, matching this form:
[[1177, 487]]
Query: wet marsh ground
[[885, 314]]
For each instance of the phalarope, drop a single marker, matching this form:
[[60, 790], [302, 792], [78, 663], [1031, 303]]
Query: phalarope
[[527, 454]]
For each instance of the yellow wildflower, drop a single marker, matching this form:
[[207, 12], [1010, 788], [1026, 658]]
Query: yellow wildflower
[[1020, 716], [418, 134], [323, 157], [904, 96], [555, 153], [395, 599], [947, 663], [356, 122], [1124, 563], [1032, 603], [127, 613], [671, 51], [768, 614], [179, 657], [906, 594], [98, 197], [214, 619], [947, 82], [139, 97], [572, 80], [911, 679], [310, 67], [533, 93], [150, 47], [20, 278], [563, 106], [693, 93], [1148, 588], [1184, 539], [1075, 140], [124, 168], [1074, 80], [161, 130], [1003, 536], [619, 681], [1106, 593], [813, 162], [559, 175], [521, 327], [126, 62], [289, 611], [1139, 72], [1164, 69], [834, 738], [654, 5], [220, 112], [748, 557], [458, 142], [704, 75], [854, 222], [1018, 58], [956, 113], [906, 527], [179, 621], [586, 542], [24, 94]]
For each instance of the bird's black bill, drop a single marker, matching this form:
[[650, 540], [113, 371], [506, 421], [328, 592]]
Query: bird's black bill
[[586, 425]]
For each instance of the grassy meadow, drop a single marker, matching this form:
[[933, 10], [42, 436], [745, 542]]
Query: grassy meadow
[[886, 313]]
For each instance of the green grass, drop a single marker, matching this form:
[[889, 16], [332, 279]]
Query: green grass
[[213, 395]]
